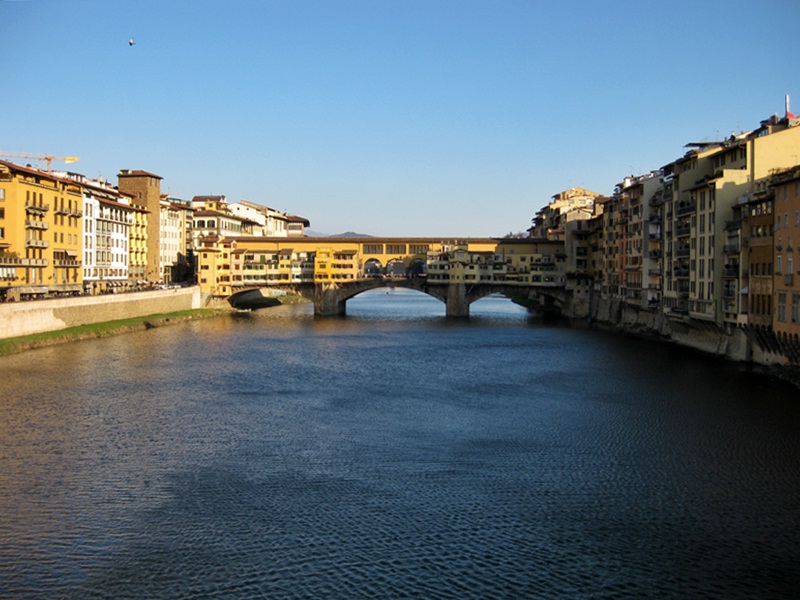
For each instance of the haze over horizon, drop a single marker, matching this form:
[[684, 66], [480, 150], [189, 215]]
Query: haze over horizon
[[390, 118]]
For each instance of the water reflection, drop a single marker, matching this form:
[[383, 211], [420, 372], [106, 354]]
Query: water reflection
[[393, 453]]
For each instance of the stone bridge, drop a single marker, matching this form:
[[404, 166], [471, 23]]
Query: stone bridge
[[330, 299]]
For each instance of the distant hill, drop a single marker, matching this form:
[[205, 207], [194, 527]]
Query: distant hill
[[351, 234], [347, 234]]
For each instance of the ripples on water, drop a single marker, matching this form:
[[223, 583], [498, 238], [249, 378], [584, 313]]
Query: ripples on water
[[393, 454]]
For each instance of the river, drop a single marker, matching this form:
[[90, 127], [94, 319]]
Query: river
[[394, 454]]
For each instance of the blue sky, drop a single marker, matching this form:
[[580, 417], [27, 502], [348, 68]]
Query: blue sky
[[405, 117]]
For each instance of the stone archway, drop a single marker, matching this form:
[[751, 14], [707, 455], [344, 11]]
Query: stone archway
[[417, 268], [396, 268], [373, 268]]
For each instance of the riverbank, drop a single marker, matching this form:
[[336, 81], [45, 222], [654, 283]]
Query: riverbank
[[101, 330], [19, 319]]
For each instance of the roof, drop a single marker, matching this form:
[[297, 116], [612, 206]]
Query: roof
[[217, 213], [31, 170], [212, 213], [137, 173], [114, 203], [296, 219]]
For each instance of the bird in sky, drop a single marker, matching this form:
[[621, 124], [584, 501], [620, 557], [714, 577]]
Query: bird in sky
[[131, 42]]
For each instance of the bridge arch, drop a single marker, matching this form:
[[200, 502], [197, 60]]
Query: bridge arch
[[396, 267], [373, 268], [417, 267], [330, 298]]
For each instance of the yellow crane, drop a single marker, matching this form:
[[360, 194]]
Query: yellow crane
[[46, 158]]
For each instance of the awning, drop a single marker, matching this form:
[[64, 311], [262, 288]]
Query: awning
[[65, 287], [61, 252], [29, 289]]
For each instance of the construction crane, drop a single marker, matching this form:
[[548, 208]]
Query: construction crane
[[46, 158]]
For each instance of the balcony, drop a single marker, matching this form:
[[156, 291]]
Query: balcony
[[683, 230], [42, 225], [733, 225], [654, 254], [37, 209], [66, 262], [7, 261], [731, 248], [654, 237], [37, 243], [654, 272], [680, 273], [685, 209], [730, 271], [682, 252]]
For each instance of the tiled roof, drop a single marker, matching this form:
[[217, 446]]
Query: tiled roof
[[137, 173]]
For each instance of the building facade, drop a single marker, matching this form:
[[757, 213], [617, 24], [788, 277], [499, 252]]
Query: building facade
[[41, 233], [144, 189]]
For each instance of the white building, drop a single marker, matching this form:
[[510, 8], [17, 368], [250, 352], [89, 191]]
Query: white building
[[271, 222], [108, 216], [173, 243]]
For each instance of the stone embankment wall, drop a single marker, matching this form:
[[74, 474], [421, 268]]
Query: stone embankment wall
[[737, 344], [24, 318]]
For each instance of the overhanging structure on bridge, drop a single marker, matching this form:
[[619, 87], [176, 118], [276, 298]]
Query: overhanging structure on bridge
[[331, 270]]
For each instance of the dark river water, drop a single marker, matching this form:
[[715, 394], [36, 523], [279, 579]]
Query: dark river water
[[394, 454]]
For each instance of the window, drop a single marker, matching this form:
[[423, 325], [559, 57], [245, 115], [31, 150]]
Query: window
[[779, 265], [2, 194], [782, 307], [795, 308]]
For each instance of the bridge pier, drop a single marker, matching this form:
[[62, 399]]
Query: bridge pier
[[456, 302], [328, 301]]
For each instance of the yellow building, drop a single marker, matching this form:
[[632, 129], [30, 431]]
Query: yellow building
[[337, 265], [214, 257], [40, 233], [137, 245], [227, 265]]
